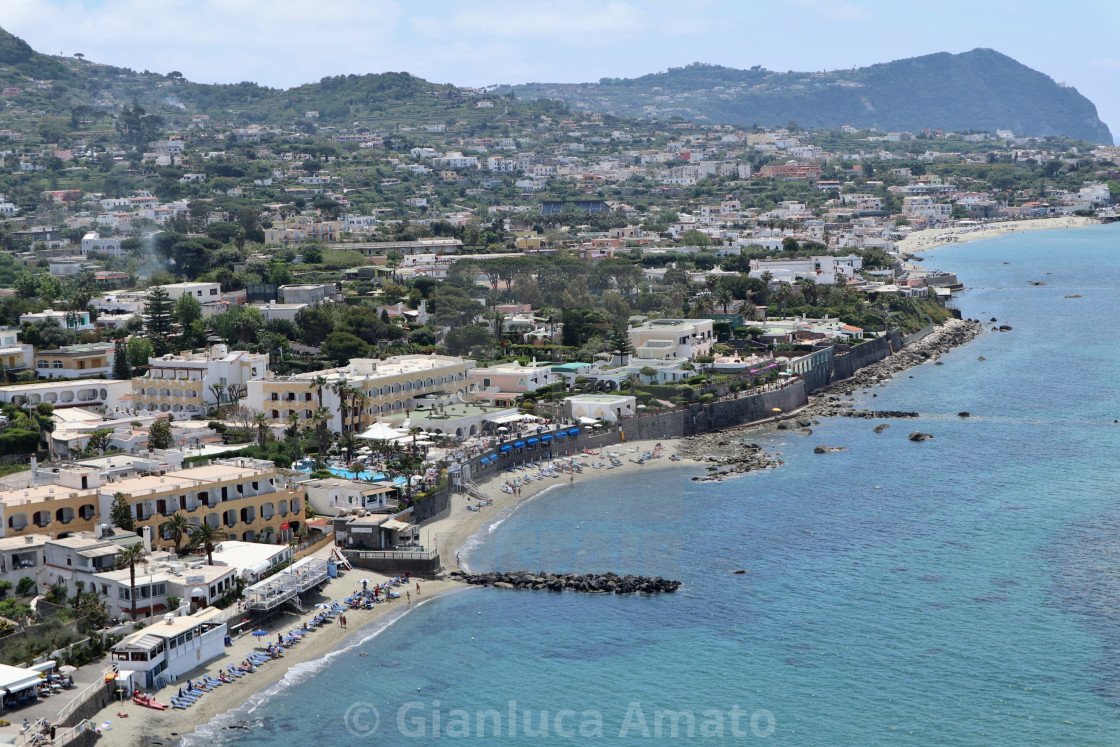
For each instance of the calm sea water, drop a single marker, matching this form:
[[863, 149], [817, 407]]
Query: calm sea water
[[959, 591]]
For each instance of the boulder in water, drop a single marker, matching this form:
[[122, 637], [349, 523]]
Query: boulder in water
[[919, 436]]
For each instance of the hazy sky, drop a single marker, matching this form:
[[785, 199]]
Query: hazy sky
[[478, 42]]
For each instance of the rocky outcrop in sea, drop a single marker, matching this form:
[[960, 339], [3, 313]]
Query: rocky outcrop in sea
[[593, 583], [719, 451]]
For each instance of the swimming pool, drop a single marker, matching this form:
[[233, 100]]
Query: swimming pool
[[363, 475]]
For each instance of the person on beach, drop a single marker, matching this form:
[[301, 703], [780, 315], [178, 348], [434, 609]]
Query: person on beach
[[418, 589], [408, 596]]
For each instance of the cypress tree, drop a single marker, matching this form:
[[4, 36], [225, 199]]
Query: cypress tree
[[159, 322], [121, 368]]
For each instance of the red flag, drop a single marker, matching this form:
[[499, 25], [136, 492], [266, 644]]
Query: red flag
[[285, 526]]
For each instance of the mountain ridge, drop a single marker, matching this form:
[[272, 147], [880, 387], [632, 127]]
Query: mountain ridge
[[977, 90]]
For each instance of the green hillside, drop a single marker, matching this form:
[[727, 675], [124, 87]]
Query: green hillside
[[977, 90], [53, 87]]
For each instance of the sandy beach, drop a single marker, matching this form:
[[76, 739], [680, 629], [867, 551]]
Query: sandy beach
[[449, 533], [932, 238]]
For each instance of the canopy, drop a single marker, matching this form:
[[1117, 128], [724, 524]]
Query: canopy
[[573, 431], [503, 419], [588, 421], [15, 679], [519, 444], [381, 432], [546, 437], [396, 526], [561, 434], [505, 447], [532, 441]]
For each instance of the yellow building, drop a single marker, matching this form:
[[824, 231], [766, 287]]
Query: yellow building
[[75, 361], [238, 496], [391, 386], [56, 510]]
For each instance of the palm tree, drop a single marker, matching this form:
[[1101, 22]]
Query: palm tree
[[499, 320], [724, 298], [260, 422], [342, 391], [633, 378], [320, 428], [319, 382], [128, 557], [178, 526], [205, 536], [358, 402], [808, 287], [782, 296]]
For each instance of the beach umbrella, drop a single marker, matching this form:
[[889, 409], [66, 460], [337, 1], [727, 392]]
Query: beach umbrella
[[260, 633], [67, 669], [777, 409]]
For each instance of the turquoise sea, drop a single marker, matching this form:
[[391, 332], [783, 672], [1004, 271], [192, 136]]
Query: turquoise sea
[[960, 591]]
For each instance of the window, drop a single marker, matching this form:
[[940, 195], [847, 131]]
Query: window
[[159, 590], [43, 364], [123, 593], [56, 364], [213, 291]]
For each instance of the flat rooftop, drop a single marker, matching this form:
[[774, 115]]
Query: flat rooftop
[[40, 493]]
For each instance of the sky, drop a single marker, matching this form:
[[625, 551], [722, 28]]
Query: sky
[[282, 43]]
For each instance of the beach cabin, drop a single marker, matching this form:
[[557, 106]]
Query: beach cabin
[[161, 653]]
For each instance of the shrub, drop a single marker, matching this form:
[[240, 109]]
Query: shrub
[[25, 586], [5, 587]]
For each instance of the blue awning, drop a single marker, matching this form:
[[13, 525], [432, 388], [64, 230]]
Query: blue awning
[[546, 437], [573, 431], [532, 441], [519, 444], [505, 447], [484, 460], [561, 434]]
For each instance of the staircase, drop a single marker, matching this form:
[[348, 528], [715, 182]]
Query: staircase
[[472, 489]]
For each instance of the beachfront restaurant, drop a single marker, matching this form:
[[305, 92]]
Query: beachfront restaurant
[[161, 653], [18, 686]]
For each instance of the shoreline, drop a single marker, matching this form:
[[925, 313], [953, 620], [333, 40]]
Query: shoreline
[[232, 702], [934, 238], [460, 532]]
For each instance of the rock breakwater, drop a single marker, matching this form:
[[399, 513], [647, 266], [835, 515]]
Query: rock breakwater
[[720, 451], [592, 583]]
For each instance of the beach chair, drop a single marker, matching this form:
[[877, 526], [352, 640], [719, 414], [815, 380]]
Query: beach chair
[[182, 705]]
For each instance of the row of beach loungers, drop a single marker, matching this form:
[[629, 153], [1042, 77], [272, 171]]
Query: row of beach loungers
[[197, 687]]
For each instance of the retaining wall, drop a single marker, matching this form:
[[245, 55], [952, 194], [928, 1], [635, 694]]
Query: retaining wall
[[393, 565], [434, 504]]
